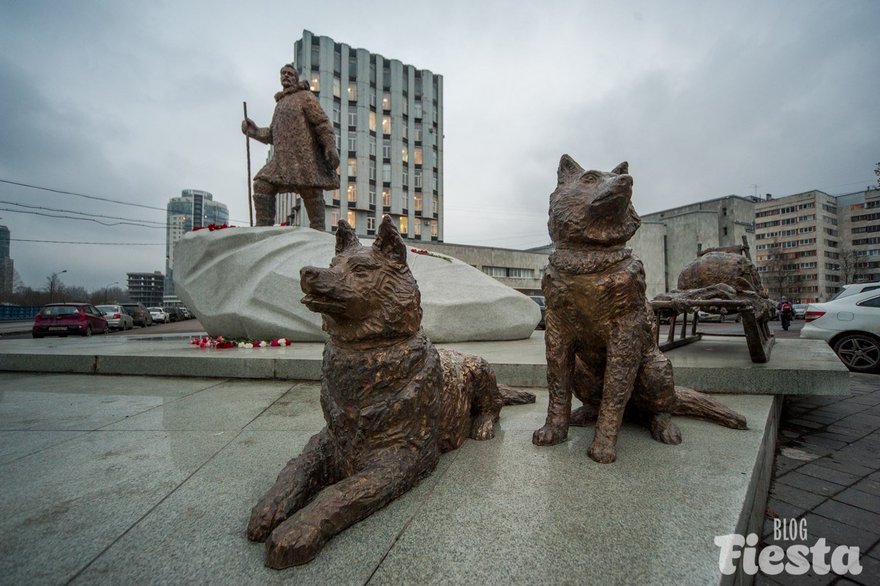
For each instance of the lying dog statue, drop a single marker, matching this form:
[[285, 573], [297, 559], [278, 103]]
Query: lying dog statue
[[393, 403], [600, 340]]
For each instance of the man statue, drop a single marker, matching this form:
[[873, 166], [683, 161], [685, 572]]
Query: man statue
[[305, 156]]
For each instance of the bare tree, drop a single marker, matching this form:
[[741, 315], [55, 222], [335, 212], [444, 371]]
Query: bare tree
[[848, 260]]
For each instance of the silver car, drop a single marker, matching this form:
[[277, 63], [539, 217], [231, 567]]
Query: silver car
[[116, 316]]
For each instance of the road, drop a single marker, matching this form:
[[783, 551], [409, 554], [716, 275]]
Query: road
[[22, 329]]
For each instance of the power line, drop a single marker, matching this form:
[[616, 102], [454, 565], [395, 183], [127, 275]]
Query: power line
[[80, 213], [93, 243], [95, 197], [162, 227]]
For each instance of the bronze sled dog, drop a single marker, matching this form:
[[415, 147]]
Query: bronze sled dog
[[600, 341], [393, 403]]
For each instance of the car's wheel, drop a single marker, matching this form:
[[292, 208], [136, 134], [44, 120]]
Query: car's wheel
[[38, 335], [88, 331], [860, 353]]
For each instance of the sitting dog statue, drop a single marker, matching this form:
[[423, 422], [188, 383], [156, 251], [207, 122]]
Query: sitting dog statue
[[600, 330], [393, 403]]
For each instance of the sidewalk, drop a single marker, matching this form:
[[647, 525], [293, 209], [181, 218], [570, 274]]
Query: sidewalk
[[827, 473]]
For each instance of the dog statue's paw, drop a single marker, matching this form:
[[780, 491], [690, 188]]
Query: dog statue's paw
[[602, 453], [265, 517], [293, 545], [550, 435], [583, 415], [664, 430], [483, 427]]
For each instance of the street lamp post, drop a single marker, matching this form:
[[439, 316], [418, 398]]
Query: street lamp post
[[53, 280], [105, 291]]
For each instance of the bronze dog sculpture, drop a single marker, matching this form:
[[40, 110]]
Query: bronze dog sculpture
[[393, 403], [600, 341]]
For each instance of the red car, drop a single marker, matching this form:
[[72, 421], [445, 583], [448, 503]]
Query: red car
[[64, 319]]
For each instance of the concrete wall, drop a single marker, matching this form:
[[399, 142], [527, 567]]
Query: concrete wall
[[649, 244]]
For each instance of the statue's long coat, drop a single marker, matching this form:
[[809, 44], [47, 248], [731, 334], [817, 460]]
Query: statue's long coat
[[300, 132]]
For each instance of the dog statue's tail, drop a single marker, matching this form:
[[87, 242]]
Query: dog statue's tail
[[695, 404], [513, 396]]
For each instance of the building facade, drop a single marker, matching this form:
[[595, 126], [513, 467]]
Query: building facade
[[520, 269], [388, 119], [7, 268], [193, 209], [147, 288], [859, 216]]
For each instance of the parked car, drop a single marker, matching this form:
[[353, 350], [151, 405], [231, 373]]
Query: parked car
[[800, 310], [851, 326], [158, 314], [718, 317], [64, 319], [116, 316], [174, 314], [854, 289], [139, 314], [539, 299]]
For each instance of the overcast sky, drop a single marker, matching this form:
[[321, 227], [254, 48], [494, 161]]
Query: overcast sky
[[135, 101]]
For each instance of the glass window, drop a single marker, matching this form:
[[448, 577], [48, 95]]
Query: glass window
[[418, 156], [315, 82], [352, 167], [386, 173], [372, 171], [352, 117], [404, 154], [372, 121], [352, 91], [372, 196], [435, 228], [417, 109], [337, 88], [417, 227], [418, 181], [337, 115], [405, 104], [386, 101], [386, 148], [352, 192], [352, 142], [386, 124], [352, 219], [417, 200], [417, 133], [371, 223], [405, 177], [386, 198], [334, 217], [404, 226]]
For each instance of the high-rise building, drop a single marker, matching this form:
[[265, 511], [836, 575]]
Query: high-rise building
[[859, 215], [7, 268], [146, 288], [193, 209], [388, 119]]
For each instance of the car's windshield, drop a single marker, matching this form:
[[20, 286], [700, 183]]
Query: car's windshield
[[58, 310]]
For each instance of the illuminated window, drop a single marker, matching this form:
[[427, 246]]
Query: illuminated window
[[352, 219], [352, 192], [315, 82], [435, 228], [417, 201], [386, 198], [404, 155], [417, 228], [418, 156], [372, 121], [337, 88], [404, 226], [386, 124], [386, 101], [334, 217], [352, 167], [352, 91]]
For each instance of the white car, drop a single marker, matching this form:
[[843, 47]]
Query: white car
[[854, 288], [851, 326], [158, 314]]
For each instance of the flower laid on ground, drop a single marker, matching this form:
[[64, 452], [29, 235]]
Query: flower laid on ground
[[221, 343], [213, 227], [429, 253]]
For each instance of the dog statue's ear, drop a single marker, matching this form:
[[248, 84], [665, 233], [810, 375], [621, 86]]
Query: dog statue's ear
[[345, 237], [389, 242], [621, 169], [568, 170]]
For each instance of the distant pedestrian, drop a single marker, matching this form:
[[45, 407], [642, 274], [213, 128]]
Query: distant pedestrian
[[785, 312]]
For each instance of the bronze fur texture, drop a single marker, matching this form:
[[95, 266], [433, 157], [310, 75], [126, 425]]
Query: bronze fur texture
[[600, 337], [392, 402]]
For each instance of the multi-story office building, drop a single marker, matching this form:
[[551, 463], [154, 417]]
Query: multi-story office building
[[859, 215], [146, 288], [193, 209], [388, 119], [7, 269], [799, 243]]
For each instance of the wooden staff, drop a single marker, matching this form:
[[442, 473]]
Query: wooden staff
[[247, 142]]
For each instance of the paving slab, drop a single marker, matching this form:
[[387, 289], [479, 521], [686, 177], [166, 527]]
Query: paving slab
[[133, 506], [717, 364]]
